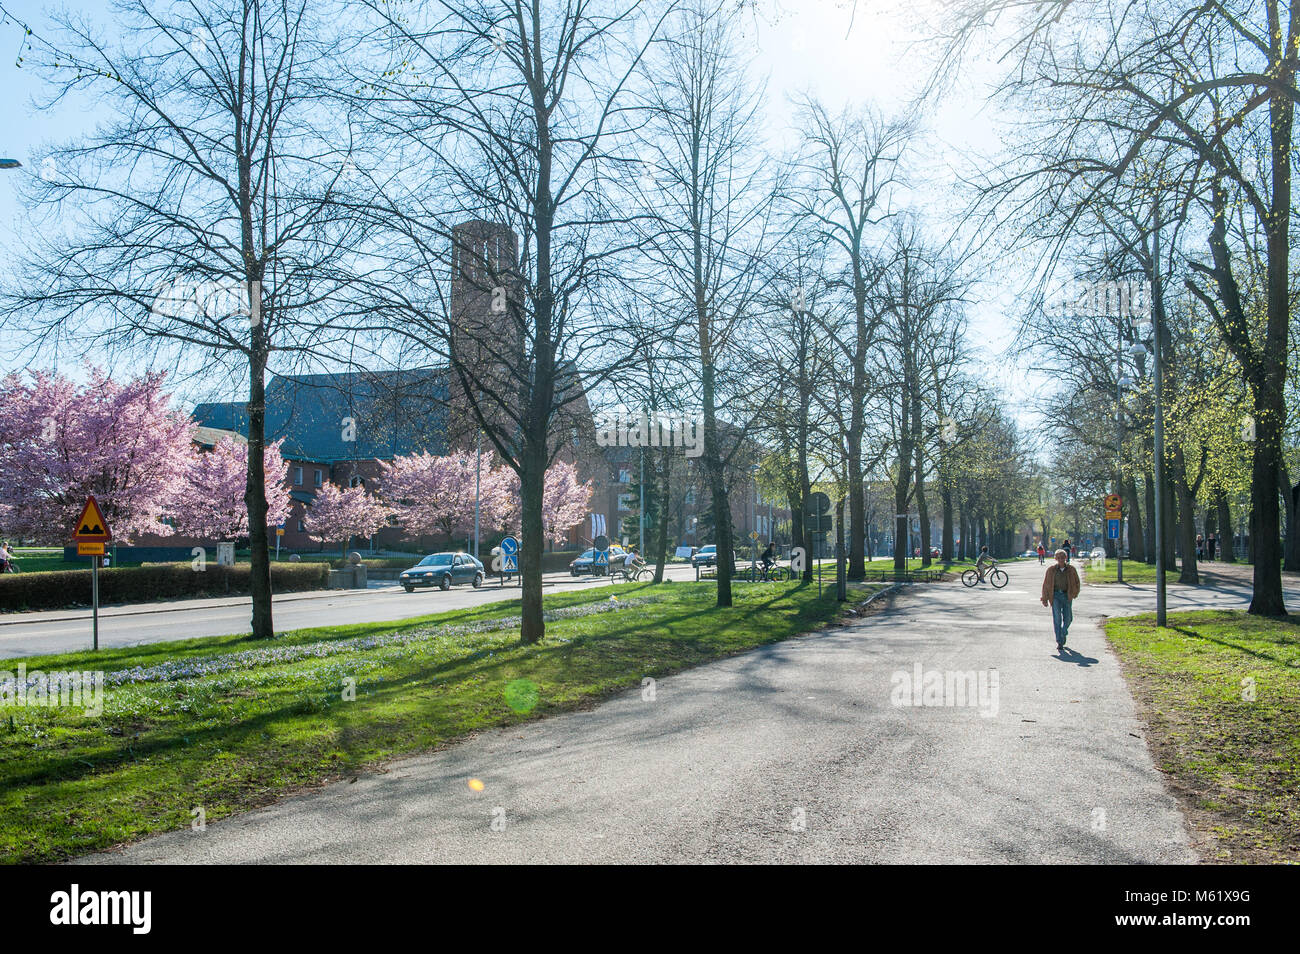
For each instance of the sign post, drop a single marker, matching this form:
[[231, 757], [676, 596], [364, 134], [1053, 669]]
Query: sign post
[[1114, 505], [279, 532], [91, 535], [601, 543], [509, 557]]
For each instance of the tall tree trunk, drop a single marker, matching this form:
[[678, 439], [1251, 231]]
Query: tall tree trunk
[[1136, 536], [717, 488], [922, 509], [259, 558], [1149, 489], [945, 496], [1186, 517], [661, 528], [1291, 503], [1227, 539]]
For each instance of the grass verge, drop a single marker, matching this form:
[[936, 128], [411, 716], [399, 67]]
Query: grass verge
[[236, 731], [1220, 694]]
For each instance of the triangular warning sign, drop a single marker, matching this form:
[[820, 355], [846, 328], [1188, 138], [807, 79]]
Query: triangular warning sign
[[91, 526]]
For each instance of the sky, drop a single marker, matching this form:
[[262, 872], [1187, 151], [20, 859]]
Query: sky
[[872, 52]]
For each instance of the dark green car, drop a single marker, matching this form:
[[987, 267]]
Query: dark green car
[[443, 570]]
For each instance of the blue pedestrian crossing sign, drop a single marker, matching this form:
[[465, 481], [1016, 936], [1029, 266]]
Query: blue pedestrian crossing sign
[[602, 558], [1112, 529], [510, 555]]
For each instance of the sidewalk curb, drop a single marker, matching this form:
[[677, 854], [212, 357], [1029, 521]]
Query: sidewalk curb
[[857, 609], [286, 598]]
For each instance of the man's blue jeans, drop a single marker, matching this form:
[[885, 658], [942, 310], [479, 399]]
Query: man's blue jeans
[[1062, 615]]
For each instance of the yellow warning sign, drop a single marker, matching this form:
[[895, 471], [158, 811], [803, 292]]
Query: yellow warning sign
[[92, 527]]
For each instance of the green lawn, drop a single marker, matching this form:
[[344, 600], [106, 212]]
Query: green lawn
[[244, 721], [1233, 759], [1136, 571]]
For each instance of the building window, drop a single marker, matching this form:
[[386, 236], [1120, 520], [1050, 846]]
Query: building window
[[302, 527], [319, 477], [624, 475], [297, 476], [690, 496], [356, 481]]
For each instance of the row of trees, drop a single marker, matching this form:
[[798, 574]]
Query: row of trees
[[316, 159], [1156, 152]]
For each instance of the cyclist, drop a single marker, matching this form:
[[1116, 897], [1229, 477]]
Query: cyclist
[[632, 561], [768, 559], [1042, 554], [984, 562]]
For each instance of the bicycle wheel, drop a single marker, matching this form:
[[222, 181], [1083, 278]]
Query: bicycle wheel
[[750, 574], [998, 578], [970, 578], [781, 573]]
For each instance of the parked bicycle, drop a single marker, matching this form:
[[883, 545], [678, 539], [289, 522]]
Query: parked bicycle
[[995, 575]]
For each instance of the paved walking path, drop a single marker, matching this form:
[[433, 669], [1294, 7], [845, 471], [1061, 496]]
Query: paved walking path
[[794, 752]]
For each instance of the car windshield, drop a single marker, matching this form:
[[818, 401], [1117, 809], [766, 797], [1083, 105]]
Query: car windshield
[[708, 549], [436, 559]]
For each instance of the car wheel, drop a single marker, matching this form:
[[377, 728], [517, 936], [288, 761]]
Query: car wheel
[[478, 580], [409, 589], [445, 583]]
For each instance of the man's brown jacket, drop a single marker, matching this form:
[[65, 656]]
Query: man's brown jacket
[[1071, 582]]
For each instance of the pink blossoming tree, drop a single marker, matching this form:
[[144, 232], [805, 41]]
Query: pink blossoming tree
[[60, 442], [337, 515], [435, 495], [211, 503]]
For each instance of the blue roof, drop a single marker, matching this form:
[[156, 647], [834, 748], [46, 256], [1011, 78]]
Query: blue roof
[[385, 414]]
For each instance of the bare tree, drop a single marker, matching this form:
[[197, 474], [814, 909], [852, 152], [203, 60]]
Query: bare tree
[[513, 113], [706, 240], [850, 164], [199, 215]]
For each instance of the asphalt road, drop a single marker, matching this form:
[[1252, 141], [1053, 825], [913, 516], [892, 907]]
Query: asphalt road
[[59, 631], [797, 752]]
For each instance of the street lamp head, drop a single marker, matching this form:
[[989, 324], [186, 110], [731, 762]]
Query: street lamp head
[[10, 164], [1126, 382], [1137, 349]]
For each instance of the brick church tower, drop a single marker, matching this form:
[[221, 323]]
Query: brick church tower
[[488, 337]]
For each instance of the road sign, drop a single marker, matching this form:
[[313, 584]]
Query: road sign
[[753, 534], [92, 529], [90, 549], [820, 523], [818, 503], [601, 542], [602, 558], [1114, 506], [91, 525], [1112, 529], [510, 555], [279, 531]]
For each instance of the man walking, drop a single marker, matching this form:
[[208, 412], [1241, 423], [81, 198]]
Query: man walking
[[1061, 588]]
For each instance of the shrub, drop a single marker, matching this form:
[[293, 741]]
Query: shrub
[[130, 584]]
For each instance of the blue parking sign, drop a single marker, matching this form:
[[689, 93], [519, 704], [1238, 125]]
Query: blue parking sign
[[1112, 529]]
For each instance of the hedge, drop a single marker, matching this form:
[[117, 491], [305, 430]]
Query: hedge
[[56, 589]]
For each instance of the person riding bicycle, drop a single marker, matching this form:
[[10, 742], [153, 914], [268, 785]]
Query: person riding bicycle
[[6, 558], [984, 562], [768, 559], [632, 561]]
